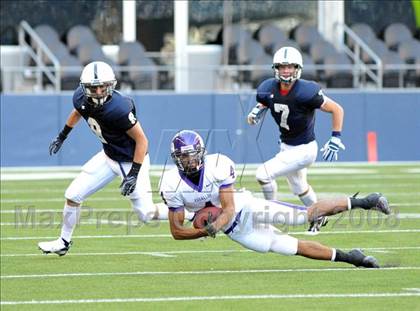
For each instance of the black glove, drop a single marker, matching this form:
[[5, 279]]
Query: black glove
[[56, 145], [210, 229], [58, 141], [129, 182]]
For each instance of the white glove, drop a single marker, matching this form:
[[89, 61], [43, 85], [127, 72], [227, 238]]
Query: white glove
[[255, 115], [331, 148]]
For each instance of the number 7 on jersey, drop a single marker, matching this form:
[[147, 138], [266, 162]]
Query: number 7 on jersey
[[284, 109]]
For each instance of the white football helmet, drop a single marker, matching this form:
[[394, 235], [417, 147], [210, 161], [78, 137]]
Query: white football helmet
[[94, 75], [285, 56]]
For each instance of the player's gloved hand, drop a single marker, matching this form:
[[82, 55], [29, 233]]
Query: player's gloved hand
[[331, 148], [56, 144], [58, 141], [255, 115], [210, 229], [129, 182]]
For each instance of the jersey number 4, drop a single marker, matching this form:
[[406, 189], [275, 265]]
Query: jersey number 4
[[284, 110], [94, 125]]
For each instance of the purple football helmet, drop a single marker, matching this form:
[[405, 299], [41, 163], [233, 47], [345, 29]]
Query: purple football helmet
[[187, 151]]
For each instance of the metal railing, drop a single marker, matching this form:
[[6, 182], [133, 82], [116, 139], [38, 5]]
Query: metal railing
[[224, 77], [360, 67], [41, 50]]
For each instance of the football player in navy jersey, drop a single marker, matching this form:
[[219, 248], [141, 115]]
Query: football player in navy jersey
[[112, 117], [292, 102]]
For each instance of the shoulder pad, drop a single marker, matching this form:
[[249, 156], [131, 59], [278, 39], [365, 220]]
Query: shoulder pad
[[265, 89], [78, 97], [123, 104], [169, 182], [306, 90], [224, 167]]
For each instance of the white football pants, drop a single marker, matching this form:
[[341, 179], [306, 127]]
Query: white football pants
[[254, 229], [291, 162], [100, 170]]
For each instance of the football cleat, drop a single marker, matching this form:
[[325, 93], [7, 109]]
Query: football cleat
[[361, 260], [378, 202], [315, 226], [59, 247]]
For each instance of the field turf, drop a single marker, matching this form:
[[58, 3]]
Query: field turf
[[117, 263]]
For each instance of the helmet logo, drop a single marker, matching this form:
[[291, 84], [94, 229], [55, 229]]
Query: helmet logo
[[95, 71]]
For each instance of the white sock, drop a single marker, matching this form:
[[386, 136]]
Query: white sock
[[334, 253], [348, 204], [70, 219], [162, 210], [270, 190], [309, 198]]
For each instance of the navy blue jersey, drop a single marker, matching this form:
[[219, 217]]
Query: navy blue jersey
[[295, 112], [110, 123]]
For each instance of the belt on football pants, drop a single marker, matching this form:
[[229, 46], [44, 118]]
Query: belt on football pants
[[235, 223]]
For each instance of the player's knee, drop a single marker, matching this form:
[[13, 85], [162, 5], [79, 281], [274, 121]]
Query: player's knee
[[72, 203], [284, 244], [261, 175], [145, 212], [299, 189], [73, 197]]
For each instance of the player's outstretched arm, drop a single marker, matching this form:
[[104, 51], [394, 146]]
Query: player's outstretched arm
[[142, 143], [179, 231], [128, 185], [71, 122], [334, 144]]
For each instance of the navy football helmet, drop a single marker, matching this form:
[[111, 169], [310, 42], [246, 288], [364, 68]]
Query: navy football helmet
[[187, 151]]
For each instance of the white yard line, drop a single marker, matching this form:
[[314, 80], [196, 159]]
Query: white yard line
[[123, 236], [172, 253], [169, 253], [85, 209], [213, 298], [415, 289], [154, 273], [410, 194]]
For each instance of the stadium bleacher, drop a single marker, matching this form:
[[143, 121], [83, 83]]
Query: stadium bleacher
[[396, 46]]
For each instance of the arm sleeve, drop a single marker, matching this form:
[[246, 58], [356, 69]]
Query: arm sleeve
[[126, 118], [310, 94], [170, 196], [126, 122], [225, 173], [317, 100]]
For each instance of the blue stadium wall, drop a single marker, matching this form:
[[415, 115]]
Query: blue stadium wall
[[28, 123]]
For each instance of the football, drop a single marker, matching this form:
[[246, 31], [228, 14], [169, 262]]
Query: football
[[202, 215]]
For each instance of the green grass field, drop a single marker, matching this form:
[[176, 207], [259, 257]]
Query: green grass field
[[116, 263]]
